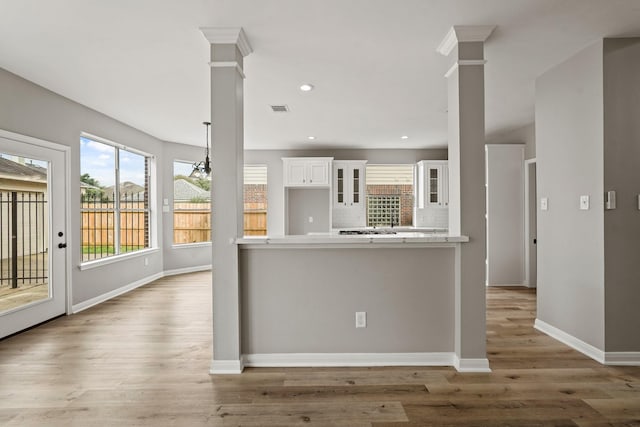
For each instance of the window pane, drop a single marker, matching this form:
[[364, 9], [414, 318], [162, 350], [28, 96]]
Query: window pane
[[97, 183], [389, 194], [114, 200], [191, 206], [255, 200], [134, 201]]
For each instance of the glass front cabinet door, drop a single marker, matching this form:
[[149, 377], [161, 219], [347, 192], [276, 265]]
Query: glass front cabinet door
[[348, 185]]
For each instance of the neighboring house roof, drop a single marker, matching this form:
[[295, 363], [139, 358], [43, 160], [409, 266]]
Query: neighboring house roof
[[183, 190], [128, 191], [22, 172]]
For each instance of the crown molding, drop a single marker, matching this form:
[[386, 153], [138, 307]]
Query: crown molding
[[228, 35], [464, 33]]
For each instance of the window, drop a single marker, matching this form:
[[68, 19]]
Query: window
[[114, 188], [389, 195], [255, 200], [191, 206]]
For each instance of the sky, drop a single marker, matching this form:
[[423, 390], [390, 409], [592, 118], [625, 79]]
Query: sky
[[182, 168], [98, 160]]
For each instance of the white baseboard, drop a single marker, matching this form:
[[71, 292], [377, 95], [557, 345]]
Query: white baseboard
[[347, 359], [568, 339], [471, 365], [622, 358], [76, 308], [187, 270], [226, 367]]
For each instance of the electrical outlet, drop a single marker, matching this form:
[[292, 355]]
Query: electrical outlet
[[544, 204], [584, 203], [361, 319], [310, 219], [146, 261]]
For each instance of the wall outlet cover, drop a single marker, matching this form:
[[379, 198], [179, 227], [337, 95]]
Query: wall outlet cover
[[544, 204], [361, 319], [584, 203]]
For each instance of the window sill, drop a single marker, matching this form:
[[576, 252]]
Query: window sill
[[116, 258], [191, 245]]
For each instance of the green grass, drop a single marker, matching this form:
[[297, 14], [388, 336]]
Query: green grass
[[109, 249]]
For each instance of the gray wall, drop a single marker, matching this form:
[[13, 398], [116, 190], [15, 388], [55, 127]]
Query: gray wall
[[622, 174], [524, 135], [304, 203], [273, 160], [408, 295], [569, 145], [181, 256], [32, 110]]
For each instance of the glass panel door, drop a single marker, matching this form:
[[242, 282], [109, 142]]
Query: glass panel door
[[32, 266]]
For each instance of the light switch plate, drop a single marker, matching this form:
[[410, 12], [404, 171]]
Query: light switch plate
[[361, 319], [584, 203], [610, 200], [544, 204]]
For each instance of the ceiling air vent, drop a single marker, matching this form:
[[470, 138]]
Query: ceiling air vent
[[280, 108]]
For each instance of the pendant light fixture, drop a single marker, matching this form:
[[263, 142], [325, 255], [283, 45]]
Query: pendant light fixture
[[202, 169]]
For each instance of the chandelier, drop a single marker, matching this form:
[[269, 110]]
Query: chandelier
[[202, 169]]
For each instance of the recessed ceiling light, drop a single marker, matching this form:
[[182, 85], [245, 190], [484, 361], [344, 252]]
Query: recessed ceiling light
[[306, 87], [311, 138], [404, 137]]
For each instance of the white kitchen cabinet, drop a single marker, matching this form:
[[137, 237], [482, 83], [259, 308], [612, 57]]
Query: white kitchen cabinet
[[307, 171], [432, 194], [433, 183], [349, 193]]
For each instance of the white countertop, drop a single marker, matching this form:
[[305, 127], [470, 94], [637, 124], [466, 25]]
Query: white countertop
[[400, 238]]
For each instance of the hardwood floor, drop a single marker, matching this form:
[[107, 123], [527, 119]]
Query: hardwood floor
[[143, 359]]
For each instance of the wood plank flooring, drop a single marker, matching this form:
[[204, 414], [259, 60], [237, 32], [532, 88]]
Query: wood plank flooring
[[142, 359]]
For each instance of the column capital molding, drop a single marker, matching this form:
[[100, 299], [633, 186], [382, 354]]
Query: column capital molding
[[228, 35], [464, 33]]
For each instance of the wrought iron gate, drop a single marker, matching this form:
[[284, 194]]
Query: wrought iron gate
[[24, 242]]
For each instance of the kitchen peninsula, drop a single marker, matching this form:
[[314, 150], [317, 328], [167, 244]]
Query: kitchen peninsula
[[349, 300]]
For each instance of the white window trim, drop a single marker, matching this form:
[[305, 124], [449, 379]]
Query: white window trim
[[88, 265]]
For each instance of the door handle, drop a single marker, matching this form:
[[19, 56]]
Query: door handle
[[535, 241], [62, 245]]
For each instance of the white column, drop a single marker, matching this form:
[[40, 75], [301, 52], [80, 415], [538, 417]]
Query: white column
[[228, 48], [467, 209]]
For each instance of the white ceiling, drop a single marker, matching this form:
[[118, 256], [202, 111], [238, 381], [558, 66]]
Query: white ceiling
[[373, 62]]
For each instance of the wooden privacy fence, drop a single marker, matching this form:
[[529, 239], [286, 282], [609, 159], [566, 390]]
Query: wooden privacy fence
[[255, 219], [98, 225], [191, 224], [192, 221]]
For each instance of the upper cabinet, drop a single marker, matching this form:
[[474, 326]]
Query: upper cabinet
[[349, 208], [432, 184], [432, 194], [307, 171], [348, 183]]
